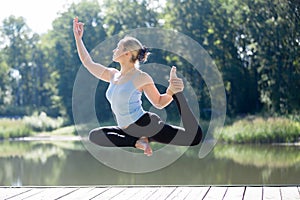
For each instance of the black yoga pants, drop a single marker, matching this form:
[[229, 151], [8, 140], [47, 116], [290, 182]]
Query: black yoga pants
[[150, 125]]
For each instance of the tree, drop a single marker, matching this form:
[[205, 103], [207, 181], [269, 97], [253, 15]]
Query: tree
[[4, 82], [255, 45], [19, 45], [210, 24], [271, 30], [46, 94], [28, 80], [123, 15], [64, 56]]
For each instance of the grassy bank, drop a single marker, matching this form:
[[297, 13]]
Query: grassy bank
[[252, 129], [261, 130], [10, 128], [33, 125]]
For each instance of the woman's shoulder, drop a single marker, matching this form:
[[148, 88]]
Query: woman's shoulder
[[142, 79], [144, 75]]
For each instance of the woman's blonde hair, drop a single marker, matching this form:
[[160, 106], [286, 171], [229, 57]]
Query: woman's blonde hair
[[140, 52]]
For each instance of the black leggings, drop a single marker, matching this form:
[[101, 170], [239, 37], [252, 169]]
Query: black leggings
[[150, 125]]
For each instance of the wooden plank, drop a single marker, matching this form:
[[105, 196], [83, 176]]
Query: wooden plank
[[216, 193], [110, 193], [197, 193], [11, 192], [161, 193], [253, 193], [127, 193], [234, 193], [28, 194], [96, 192], [271, 193], [179, 193], [144, 193], [288, 193], [80, 192], [150, 193], [84, 193], [52, 193]]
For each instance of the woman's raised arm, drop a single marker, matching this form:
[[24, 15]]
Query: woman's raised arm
[[158, 100], [96, 69]]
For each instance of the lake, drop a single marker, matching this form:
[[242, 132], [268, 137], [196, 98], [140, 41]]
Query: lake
[[62, 163]]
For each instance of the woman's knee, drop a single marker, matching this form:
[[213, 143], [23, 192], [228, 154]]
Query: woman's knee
[[92, 135], [104, 136], [198, 137], [95, 136]]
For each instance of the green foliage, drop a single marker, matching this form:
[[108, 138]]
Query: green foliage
[[29, 125], [120, 16], [28, 72], [66, 130], [13, 128], [18, 56], [64, 55], [42, 122], [254, 43], [4, 81], [269, 48], [260, 130]]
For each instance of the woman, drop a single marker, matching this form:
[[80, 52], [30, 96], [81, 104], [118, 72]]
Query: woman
[[136, 127]]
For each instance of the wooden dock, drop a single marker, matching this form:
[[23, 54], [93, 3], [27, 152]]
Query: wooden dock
[[152, 193]]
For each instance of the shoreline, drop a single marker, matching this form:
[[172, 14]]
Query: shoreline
[[43, 137], [46, 138]]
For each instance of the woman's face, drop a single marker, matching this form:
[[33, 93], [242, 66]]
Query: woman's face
[[119, 52]]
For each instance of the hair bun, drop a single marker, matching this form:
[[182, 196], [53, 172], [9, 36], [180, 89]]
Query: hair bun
[[143, 54]]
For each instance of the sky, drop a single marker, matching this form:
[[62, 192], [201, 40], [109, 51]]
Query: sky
[[38, 14]]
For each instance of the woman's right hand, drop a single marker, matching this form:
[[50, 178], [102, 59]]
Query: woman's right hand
[[77, 28]]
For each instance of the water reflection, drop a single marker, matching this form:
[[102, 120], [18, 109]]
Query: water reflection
[[68, 163], [260, 155]]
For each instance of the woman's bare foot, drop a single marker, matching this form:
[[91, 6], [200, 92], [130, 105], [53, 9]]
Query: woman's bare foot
[[143, 144]]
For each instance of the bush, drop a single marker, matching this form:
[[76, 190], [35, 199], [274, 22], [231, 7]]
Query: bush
[[260, 130], [10, 128], [42, 122]]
